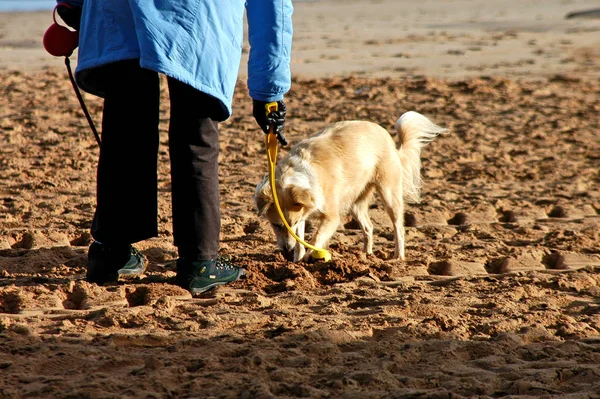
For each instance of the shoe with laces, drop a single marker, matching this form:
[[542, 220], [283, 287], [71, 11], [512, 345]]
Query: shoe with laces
[[201, 276], [108, 263]]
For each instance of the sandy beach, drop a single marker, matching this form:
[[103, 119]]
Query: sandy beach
[[499, 295]]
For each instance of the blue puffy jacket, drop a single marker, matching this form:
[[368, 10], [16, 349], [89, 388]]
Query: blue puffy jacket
[[198, 42]]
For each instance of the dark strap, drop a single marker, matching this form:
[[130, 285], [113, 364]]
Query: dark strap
[[80, 98]]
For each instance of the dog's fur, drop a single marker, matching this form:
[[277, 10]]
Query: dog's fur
[[336, 172]]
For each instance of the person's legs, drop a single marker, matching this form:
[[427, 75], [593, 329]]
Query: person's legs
[[194, 152], [127, 205]]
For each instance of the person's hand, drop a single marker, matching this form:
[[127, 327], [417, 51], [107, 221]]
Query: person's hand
[[266, 118], [70, 14]]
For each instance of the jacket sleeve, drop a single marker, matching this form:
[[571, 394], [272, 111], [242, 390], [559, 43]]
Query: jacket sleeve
[[74, 3], [270, 37]]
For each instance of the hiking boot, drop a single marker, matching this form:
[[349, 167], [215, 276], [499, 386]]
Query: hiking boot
[[201, 276], [106, 264]]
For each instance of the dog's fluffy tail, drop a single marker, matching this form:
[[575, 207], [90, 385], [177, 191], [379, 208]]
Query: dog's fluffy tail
[[414, 132]]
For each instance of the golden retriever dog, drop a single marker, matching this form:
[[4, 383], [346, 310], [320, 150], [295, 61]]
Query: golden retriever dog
[[336, 172]]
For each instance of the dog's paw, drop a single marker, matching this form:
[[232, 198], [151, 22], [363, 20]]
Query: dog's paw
[[299, 253]]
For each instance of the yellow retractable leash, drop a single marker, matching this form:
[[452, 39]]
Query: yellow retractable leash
[[271, 143]]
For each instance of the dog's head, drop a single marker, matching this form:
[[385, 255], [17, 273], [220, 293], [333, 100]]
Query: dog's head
[[296, 203]]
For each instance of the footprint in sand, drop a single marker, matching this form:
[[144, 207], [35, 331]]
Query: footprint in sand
[[456, 268]]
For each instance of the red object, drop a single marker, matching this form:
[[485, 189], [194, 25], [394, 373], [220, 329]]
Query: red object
[[59, 40]]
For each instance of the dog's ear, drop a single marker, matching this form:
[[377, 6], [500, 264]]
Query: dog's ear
[[263, 197], [300, 198]]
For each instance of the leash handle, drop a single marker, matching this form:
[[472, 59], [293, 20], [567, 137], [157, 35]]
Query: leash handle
[[66, 5], [274, 107]]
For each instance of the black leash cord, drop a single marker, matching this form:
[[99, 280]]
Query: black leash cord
[[80, 98]]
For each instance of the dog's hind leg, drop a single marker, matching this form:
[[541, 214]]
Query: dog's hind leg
[[394, 206], [360, 213]]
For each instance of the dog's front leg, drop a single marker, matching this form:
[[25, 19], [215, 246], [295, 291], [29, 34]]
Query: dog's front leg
[[324, 233], [299, 250]]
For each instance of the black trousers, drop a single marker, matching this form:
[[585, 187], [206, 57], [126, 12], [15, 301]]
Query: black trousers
[[127, 204]]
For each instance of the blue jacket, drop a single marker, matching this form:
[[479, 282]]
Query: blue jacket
[[198, 42]]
